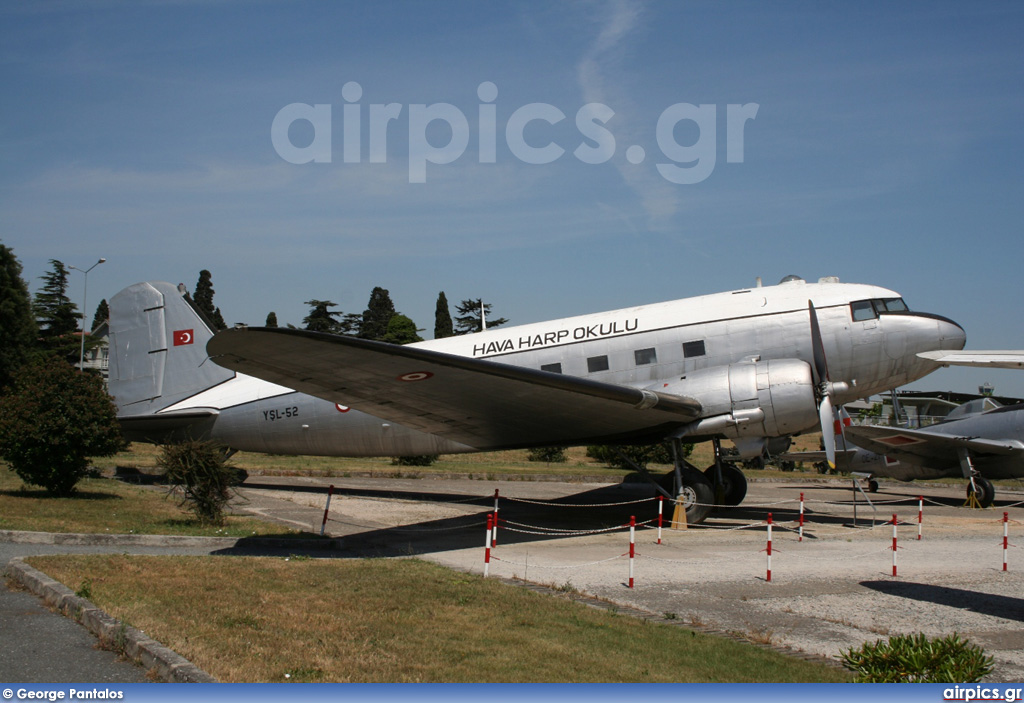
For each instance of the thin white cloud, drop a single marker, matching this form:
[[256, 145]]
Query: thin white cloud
[[602, 79]]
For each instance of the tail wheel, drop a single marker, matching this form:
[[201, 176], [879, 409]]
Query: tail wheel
[[986, 492], [697, 495], [734, 483]]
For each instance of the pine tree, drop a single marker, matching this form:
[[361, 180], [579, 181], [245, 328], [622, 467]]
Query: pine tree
[[378, 314], [468, 319], [203, 298], [442, 318], [18, 330], [101, 316], [271, 320], [56, 316], [320, 318]]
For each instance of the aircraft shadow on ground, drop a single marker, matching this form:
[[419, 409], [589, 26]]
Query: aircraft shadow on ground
[[983, 603], [521, 522]]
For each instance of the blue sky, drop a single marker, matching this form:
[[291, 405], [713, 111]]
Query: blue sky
[[885, 149]]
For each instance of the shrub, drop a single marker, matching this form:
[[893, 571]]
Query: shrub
[[549, 455], [415, 460], [52, 421], [915, 658], [200, 472], [640, 454]]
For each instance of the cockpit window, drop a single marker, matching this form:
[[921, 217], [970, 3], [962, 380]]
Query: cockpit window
[[862, 310], [895, 305]]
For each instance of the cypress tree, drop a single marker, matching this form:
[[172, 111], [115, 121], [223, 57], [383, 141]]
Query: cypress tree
[[442, 318], [203, 298], [271, 320], [378, 314]]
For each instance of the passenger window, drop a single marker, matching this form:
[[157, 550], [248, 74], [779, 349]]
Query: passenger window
[[693, 349], [862, 310], [552, 368], [597, 363], [645, 356]]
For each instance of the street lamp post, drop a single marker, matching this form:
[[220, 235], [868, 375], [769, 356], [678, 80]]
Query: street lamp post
[[85, 293]]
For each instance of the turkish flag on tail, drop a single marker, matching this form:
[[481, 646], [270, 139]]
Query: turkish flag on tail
[[182, 337]]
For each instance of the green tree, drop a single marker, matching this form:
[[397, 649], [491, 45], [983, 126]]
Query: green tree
[[469, 318], [18, 331], [203, 298], [401, 330], [321, 318], [271, 320], [56, 316], [378, 314], [101, 316], [442, 318], [52, 421]]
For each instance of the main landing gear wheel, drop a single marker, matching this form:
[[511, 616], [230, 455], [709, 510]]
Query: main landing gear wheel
[[734, 483], [986, 493], [697, 496]]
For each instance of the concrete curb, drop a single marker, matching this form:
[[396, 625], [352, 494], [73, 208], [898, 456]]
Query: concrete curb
[[121, 540], [167, 664]]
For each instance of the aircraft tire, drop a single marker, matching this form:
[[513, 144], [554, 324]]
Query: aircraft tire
[[734, 480], [698, 495], [986, 491], [872, 486]]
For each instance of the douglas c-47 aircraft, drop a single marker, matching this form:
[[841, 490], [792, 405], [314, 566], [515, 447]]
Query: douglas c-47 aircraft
[[748, 365]]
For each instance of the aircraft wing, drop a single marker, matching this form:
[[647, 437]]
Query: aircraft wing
[[926, 446], [984, 359], [480, 403]]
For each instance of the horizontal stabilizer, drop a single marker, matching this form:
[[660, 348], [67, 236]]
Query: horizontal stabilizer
[[162, 428]]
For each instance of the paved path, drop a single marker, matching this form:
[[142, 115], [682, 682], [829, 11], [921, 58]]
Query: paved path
[[832, 591]]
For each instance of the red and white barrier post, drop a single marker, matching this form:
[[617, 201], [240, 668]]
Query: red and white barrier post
[[1006, 537], [894, 544], [661, 512], [494, 536], [769, 577], [327, 507], [632, 546], [920, 515], [800, 531], [487, 545]]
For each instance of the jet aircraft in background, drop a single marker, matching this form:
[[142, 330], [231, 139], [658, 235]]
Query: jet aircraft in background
[[748, 365]]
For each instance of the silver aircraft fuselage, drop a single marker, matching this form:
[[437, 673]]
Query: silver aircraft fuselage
[[690, 347]]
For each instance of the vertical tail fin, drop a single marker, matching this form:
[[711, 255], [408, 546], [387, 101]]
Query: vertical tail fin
[[158, 349]]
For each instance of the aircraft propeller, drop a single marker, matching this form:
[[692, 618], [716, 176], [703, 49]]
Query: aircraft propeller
[[825, 390]]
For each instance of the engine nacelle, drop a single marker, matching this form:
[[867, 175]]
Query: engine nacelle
[[752, 399]]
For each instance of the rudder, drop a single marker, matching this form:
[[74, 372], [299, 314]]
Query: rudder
[[158, 349]]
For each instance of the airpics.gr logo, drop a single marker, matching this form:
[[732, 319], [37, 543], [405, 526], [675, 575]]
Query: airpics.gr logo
[[183, 337], [683, 163]]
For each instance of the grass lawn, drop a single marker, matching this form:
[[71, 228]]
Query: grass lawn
[[103, 505], [272, 619]]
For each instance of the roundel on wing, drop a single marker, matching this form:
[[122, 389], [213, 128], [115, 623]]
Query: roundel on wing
[[342, 408], [415, 376]]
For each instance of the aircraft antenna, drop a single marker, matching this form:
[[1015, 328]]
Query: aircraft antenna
[[483, 316]]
